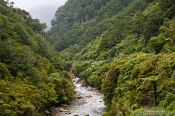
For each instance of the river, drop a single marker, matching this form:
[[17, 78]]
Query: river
[[88, 102]]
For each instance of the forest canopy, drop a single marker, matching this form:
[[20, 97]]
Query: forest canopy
[[31, 76], [123, 47]]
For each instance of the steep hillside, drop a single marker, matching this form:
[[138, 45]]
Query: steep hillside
[[126, 48], [31, 78]]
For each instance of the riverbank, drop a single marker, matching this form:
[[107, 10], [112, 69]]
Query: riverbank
[[88, 102]]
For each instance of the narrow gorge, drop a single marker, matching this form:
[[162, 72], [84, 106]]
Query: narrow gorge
[[121, 54]]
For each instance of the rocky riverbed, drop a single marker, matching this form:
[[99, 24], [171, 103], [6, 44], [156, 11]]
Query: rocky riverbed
[[88, 102]]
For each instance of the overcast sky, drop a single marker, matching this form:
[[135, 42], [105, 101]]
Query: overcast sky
[[42, 9]]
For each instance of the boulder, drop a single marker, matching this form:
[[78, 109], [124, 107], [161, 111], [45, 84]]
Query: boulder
[[86, 115], [47, 112], [75, 115], [62, 110]]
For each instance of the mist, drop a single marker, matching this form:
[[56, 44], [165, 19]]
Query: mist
[[41, 9]]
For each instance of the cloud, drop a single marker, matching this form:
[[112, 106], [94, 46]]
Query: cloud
[[44, 13], [41, 9]]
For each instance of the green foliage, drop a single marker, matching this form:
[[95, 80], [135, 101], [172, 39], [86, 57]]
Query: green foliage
[[156, 44], [31, 78], [165, 40], [18, 98], [63, 86], [123, 47], [146, 84], [37, 26], [110, 84], [4, 72], [90, 73]]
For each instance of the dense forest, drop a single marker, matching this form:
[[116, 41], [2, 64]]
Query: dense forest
[[125, 48], [31, 76]]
